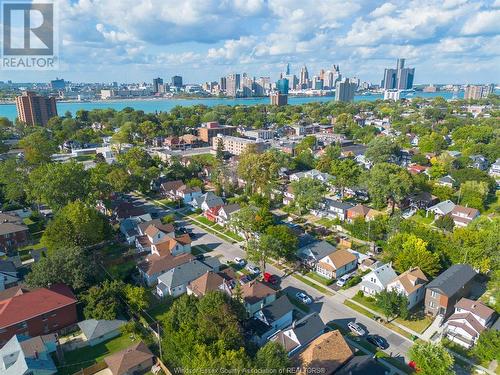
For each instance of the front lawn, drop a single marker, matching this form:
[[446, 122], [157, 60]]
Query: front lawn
[[323, 280], [84, 357], [420, 217], [418, 323], [312, 284]]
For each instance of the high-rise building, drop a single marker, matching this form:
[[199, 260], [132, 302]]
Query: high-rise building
[[157, 82], [247, 86], [344, 91], [400, 78], [233, 84], [304, 78], [475, 92], [34, 109], [317, 83], [287, 72], [222, 83], [292, 81], [278, 99], [177, 81], [58, 84], [282, 86]]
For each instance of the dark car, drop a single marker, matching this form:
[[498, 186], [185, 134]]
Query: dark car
[[378, 341], [271, 279]]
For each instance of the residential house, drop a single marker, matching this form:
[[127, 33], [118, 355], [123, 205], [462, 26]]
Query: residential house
[[421, 200], [468, 321], [312, 253], [210, 281], [155, 265], [495, 169], [479, 162], [415, 169], [442, 293], [207, 201], [288, 195], [160, 239], [225, 212], [337, 264], [24, 355], [313, 173], [168, 189], [361, 211], [212, 213], [136, 359], [271, 318], [377, 280], [256, 295], [462, 216], [8, 274], [98, 331], [447, 181], [336, 209], [442, 208], [13, 233], [37, 312], [325, 354], [174, 282], [300, 333], [411, 284], [178, 190], [362, 365]]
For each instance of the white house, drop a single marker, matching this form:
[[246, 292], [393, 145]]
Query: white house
[[225, 212], [313, 173], [207, 201], [377, 280], [442, 208], [337, 264], [411, 284], [468, 321]]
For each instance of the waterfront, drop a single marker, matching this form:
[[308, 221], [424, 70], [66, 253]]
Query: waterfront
[[164, 105]]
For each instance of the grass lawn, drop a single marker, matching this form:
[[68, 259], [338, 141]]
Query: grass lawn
[[328, 223], [314, 285], [319, 278], [161, 308], [204, 220], [418, 325], [420, 218], [122, 271], [87, 356]]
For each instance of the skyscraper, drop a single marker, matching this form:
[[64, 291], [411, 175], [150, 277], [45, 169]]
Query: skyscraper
[[287, 72], [475, 92], [222, 83], [344, 91], [304, 78], [157, 82], [233, 84], [400, 78], [35, 109], [177, 81], [282, 86]]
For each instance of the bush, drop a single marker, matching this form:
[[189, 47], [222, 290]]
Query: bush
[[369, 299], [360, 294], [353, 281]]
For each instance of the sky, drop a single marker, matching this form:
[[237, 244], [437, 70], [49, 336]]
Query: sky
[[447, 41]]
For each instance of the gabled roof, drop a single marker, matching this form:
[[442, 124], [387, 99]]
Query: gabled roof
[[277, 309], [328, 352], [183, 274], [25, 360], [476, 307], [254, 291], [444, 207], [172, 185], [359, 209], [6, 228], [7, 266], [155, 264], [208, 282], [341, 258], [337, 204], [305, 330], [93, 328], [385, 274], [124, 360], [319, 249], [230, 208], [470, 212], [412, 279], [39, 301], [453, 279]]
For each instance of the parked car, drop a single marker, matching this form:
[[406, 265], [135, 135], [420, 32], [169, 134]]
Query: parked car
[[254, 270], [240, 261], [378, 341], [343, 280], [304, 298], [245, 279], [356, 329], [271, 279]]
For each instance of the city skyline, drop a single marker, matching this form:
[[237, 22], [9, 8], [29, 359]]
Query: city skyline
[[447, 42]]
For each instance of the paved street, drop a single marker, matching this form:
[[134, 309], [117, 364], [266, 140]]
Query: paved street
[[330, 308]]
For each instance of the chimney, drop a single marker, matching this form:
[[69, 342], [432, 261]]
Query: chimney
[[36, 354]]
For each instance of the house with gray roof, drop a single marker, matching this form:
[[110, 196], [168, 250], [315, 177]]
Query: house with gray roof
[[97, 331], [377, 280], [442, 293], [8, 274], [300, 333], [336, 209], [312, 253], [207, 201], [273, 317], [442, 208], [174, 282], [23, 355]]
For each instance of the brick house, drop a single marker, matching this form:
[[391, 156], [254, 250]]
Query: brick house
[[37, 312], [444, 291], [13, 233]]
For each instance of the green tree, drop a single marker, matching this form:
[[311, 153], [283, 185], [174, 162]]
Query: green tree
[[382, 150], [288, 241], [473, 194], [308, 193], [392, 303], [70, 266], [38, 147], [346, 173], [102, 301], [431, 359], [272, 356], [433, 142], [259, 171], [13, 179], [388, 182], [414, 253], [250, 220], [262, 248], [445, 222], [76, 225], [137, 297], [487, 345], [58, 184]]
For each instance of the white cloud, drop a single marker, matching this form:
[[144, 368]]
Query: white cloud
[[383, 10], [483, 22]]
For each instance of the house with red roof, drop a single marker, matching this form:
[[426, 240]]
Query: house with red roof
[[212, 213], [37, 312]]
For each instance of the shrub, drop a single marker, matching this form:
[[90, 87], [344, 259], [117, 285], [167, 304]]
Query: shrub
[[360, 293]]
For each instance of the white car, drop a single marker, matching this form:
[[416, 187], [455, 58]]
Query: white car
[[356, 329], [240, 261], [343, 280], [304, 298], [253, 269]]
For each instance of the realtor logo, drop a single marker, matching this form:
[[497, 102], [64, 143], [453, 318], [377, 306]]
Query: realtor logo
[[29, 35]]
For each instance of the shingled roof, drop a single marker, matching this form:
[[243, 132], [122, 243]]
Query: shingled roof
[[451, 280]]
